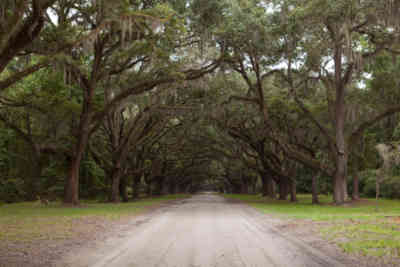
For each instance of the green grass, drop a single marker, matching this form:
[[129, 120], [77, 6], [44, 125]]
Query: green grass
[[367, 227], [30, 221]]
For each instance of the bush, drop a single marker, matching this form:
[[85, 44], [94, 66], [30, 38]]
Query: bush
[[389, 187], [11, 190]]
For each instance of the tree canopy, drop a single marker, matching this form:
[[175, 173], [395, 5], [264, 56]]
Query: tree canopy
[[114, 99]]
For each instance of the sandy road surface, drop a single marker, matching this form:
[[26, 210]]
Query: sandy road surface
[[203, 231]]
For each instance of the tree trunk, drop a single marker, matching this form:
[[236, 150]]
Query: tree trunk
[[122, 189], [377, 186], [271, 188], [264, 186], [71, 194], [182, 188], [149, 191], [172, 187], [341, 82], [345, 189], [135, 186], [338, 189], [268, 186], [255, 186], [283, 188], [116, 178], [293, 191], [315, 199], [356, 190], [244, 187], [159, 185]]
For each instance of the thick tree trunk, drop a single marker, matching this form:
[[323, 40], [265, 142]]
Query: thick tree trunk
[[71, 191], [315, 199], [293, 191], [341, 81], [71, 194], [149, 191], [123, 189], [268, 186], [340, 183], [377, 187], [172, 187], [271, 188], [345, 187], [356, 190], [159, 185], [338, 188], [283, 188], [244, 187], [182, 188], [149, 184], [135, 187], [264, 186], [115, 184], [255, 185]]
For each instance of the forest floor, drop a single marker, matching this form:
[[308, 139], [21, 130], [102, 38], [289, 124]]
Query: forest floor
[[33, 234], [366, 229]]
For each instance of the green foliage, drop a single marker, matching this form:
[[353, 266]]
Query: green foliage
[[384, 80], [12, 190], [304, 182], [389, 187]]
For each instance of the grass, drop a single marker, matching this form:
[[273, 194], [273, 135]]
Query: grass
[[366, 227], [32, 221]]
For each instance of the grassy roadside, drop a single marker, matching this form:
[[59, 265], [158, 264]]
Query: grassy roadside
[[366, 227], [32, 221]]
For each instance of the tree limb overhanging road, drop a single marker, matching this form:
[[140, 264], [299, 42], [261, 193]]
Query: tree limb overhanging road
[[205, 230]]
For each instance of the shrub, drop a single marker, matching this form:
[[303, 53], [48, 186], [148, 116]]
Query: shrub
[[389, 187], [11, 190]]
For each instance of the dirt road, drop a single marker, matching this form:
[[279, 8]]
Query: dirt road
[[203, 231]]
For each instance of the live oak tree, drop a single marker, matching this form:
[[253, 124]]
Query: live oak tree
[[281, 89], [132, 50], [37, 110], [335, 56]]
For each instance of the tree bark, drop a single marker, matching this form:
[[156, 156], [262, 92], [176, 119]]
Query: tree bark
[[159, 185], [264, 186], [268, 188], [172, 188], [342, 79], [115, 184], [377, 185], [283, 188], [338, 192], [293, 191], [271, 188], [72, 184], [315, 199], [71, 194], [244, 186], [135, 186], [123, 189], [356, 190]]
